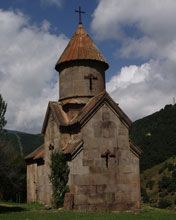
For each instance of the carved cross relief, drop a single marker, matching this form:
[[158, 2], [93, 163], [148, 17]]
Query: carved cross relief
[[107, 155], [90, 77], [105, 128]]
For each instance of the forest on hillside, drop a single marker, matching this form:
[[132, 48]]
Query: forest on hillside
[[156, 136]]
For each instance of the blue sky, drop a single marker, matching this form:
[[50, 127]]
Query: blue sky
[[137, 37], [60, 15], [63, 19]]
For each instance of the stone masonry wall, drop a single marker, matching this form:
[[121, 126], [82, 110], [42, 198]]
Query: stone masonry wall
[[41, 184], [72, 82], [37, 184], [31, 183], [51, 139], [99, 184]]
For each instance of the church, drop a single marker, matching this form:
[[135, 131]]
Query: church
[[89, 126]]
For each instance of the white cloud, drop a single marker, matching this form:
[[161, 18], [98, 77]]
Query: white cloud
[[57, 3], [27, 77], [142, 90], [146, 30], [139, 48], [151, 17], [128, 75], [153, 20]]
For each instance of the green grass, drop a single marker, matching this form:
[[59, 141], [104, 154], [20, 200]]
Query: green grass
[[36, 212]]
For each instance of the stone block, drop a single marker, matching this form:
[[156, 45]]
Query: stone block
[[80, 199], [68, 201], [87, 189], [100, 189], [81, 179], [82, 208], [99, 178], [110, 197], [95, 169], [123, 131], [102, 208], [87, 162], [87, 153], [96, 199]]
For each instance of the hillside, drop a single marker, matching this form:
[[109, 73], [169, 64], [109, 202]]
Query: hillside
[[156, 135], [159, 184], [24, 142]]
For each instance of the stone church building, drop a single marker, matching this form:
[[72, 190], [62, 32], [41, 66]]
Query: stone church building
[[90, 127]]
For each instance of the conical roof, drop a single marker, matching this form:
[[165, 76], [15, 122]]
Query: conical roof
[[81, 47]]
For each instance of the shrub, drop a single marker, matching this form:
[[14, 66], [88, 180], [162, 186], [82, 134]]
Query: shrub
[[150, 184], [172, 186], [153, 201], [164, 203], [164, 182], [174, 173], [145, 197], [170, 166], [162, 168], [163, 194], [59, 178]]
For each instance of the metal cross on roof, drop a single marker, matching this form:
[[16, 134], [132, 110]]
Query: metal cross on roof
[[80, 16]]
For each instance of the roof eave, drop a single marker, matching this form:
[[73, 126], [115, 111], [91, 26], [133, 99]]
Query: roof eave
[[61, 65], [135, 149]]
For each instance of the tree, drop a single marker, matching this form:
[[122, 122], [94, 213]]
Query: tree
[[3, 107], [12, 172], [12, 164]]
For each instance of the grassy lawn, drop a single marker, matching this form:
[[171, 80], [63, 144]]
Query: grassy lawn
[[36, 212]]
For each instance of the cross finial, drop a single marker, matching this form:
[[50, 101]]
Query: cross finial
[[80, 12]]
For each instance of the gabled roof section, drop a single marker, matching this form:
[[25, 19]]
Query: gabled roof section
[[59, 115], [36, 154], [73, 147], [81, 47], [135, 149], [85, 114], [94, 103]]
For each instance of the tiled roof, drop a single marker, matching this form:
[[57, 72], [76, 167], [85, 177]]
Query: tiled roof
[[96, 101], [36, 154], [83, 116], [81, 47], [62, 119], [72, 146], [59, 115]]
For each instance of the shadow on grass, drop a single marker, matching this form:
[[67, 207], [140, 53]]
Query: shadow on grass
[[6, 209]]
